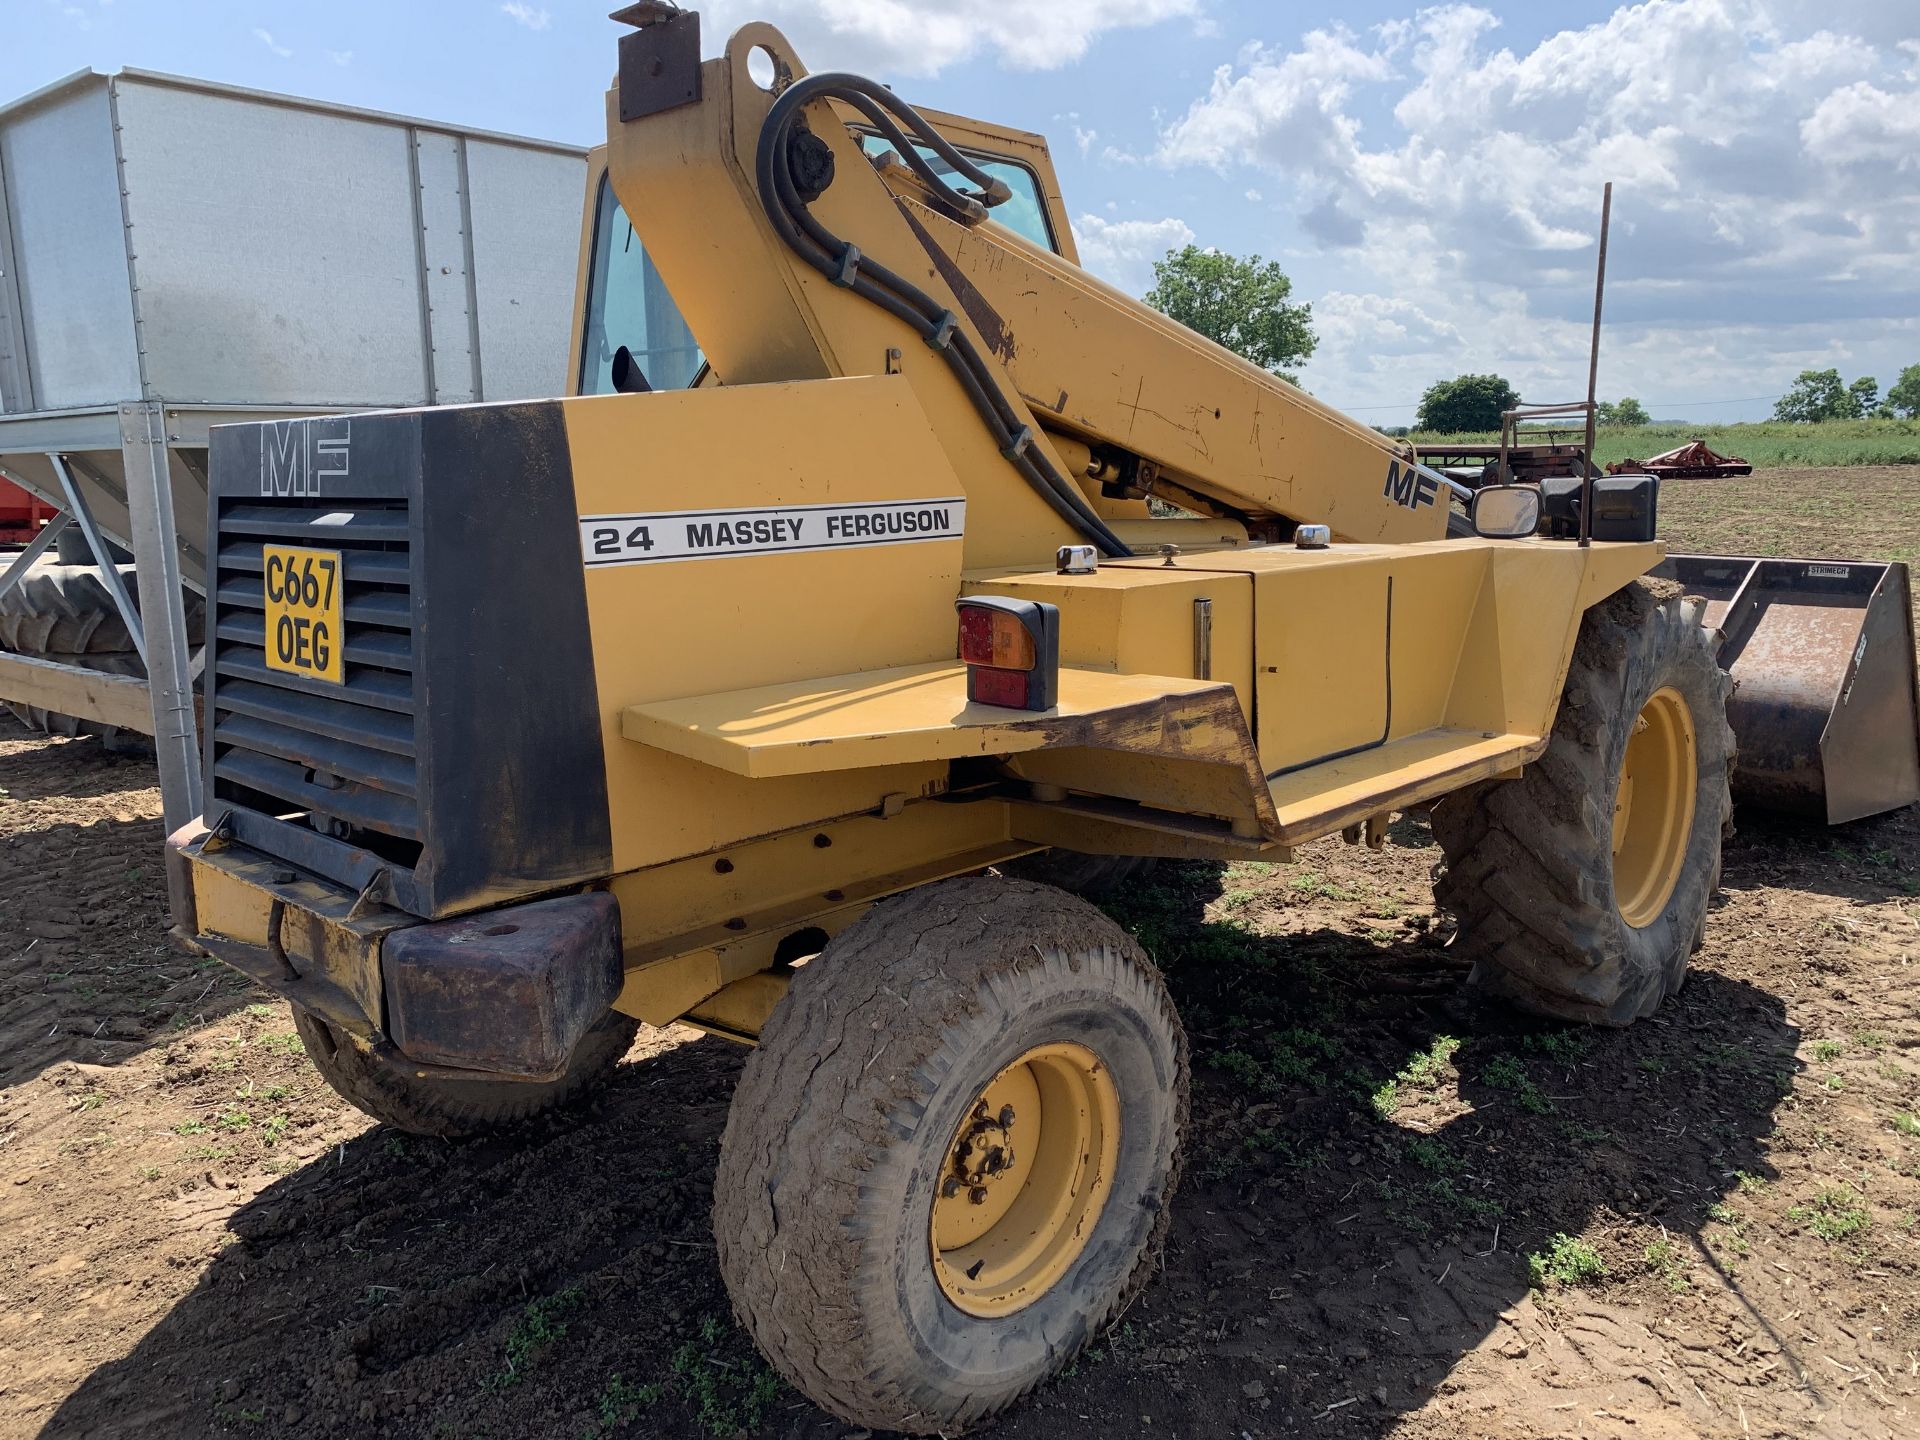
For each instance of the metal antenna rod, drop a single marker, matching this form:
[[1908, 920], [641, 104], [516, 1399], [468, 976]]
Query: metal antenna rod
[[1593, 369]]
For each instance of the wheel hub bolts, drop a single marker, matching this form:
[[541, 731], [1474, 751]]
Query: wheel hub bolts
[[983, 1153]]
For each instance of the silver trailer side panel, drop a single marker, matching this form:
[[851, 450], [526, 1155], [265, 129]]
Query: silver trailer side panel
[[523, 270], [275, 251], [70, 257], [206, 245]]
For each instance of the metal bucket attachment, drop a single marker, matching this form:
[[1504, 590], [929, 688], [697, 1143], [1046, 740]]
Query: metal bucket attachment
[[1824, 705]]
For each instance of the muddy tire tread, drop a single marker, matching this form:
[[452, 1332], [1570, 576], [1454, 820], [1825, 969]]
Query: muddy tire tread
[[453, 1109], [816, 1097], [1528, 867]]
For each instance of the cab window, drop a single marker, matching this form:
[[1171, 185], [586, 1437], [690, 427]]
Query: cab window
[[1023, 214], [628, 304]]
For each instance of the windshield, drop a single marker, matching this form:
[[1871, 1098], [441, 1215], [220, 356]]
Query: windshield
[[1023, 214], [628, 304]]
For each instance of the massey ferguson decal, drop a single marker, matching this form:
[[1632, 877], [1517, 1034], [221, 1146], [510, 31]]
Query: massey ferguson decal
[[298, 457], [1409, 486]]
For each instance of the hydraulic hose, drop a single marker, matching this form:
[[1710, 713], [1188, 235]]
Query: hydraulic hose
[[787, 208]]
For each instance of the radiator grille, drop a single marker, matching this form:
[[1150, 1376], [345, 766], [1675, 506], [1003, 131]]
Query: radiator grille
[[341, 757]]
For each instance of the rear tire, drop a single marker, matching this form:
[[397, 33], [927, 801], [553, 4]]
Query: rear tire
[[840, 1166], [1565, 908], [396, 1096]]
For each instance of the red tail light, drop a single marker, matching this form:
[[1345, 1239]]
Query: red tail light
[[1011, 649]]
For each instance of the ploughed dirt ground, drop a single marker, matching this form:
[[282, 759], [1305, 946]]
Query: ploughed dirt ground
[[1408, 1213]]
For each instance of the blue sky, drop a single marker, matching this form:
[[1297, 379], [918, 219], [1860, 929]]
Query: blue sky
[[1429, 176]]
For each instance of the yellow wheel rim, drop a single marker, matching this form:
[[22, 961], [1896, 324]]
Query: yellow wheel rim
[[1024, 1179], [1653, 809]]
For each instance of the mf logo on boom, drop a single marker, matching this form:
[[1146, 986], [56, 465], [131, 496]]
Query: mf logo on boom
[[298, 457], [1410, 487]]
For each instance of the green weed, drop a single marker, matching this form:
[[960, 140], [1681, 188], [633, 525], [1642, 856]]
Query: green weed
[[1433, 1156], [1563, 1046], [1567, 1261], [1429, 1068], [539, 1328], [726, 1396], [1663, 1258], [1385, 1099], [621, 1400], [1836, 1213], [1504, 1072]]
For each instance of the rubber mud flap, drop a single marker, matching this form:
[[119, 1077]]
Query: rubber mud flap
[[508, 991]]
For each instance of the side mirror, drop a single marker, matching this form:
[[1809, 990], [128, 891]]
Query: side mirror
[[1504, 512], [628, 378]]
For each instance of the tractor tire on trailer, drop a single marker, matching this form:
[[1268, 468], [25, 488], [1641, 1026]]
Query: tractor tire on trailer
[[65, 613], [453, 1109], [910, 1244], [1581, 888], [63, 610]]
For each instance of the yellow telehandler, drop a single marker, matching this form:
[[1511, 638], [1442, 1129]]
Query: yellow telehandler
[[742, 686]]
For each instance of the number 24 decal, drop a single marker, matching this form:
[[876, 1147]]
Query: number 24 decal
[[606, 540]]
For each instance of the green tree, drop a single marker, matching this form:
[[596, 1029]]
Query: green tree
[[1239, 303], [1904, 398], [1628, 411], [1817, 395], [1866, 396], [1464, 403]]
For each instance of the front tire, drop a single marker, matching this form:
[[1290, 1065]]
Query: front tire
[[949, 1163], [1581, 888], [454, 1109]]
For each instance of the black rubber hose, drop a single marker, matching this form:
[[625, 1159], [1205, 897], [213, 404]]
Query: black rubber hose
[[842, 263]]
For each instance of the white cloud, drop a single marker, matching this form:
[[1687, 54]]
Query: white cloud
[[340, 57], [265, 37], [526, 15], [922, 37], [1763, 154], [1862, 124], [1122, 252]]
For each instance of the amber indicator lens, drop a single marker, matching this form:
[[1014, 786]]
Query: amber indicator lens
[[993, 637]]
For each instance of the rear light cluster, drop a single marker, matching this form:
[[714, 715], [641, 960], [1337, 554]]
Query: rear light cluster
[[1011, 649]]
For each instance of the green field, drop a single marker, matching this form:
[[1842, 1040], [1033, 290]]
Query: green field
[[1770, 445]]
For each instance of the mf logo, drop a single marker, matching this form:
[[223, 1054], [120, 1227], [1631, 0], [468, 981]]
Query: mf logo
[[298, 457], [1409, 487]]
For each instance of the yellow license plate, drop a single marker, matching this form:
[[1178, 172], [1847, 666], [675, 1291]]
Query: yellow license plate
[[304, 626]]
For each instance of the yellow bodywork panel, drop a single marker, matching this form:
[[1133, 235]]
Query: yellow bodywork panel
[[665, 629], [1143, 621]]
